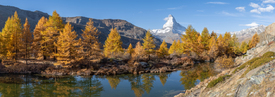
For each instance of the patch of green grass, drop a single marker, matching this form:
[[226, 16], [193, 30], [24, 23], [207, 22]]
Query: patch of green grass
[[268, 54], [256, 62], [218, 80], [246, 64]]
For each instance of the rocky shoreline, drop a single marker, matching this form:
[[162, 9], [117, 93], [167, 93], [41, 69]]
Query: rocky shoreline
[[110, 70], [106, 67]]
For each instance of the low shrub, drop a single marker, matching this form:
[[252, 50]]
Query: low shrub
[[225, 62], [218, 80]]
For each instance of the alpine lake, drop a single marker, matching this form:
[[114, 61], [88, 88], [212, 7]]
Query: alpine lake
[[127, 85]]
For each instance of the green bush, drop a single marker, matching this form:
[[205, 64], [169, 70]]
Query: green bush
[[268, 54], [218, 80]]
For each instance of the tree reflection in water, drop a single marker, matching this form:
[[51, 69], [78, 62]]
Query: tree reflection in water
[[163, 78], [139, 83], [148, 80], [10, 86], [35, 86], [113, 81], [200, 72], [91, 86]]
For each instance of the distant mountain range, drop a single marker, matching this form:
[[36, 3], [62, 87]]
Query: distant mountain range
[[171, 30], [129, 32], [246, 34]]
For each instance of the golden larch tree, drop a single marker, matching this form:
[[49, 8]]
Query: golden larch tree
[[163, 50], [66, 46], [130, 49], [6, 40], [1, 46], [213, 34], [148, 44], [54, 25], [205, 38], [227, 45], [200, 45], [249, 43], [255, 40], [139, 51], [179, 47], [213, 47], [221, 45], [244, 47], [90, 45], [112, 46], [172, 48], [234, 44], [12, 37], [27, 39], [17, 34], [37, 38], [189, 40]]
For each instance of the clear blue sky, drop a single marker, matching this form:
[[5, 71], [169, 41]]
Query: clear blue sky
[[217, 15]]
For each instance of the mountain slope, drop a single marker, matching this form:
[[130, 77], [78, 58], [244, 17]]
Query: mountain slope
[[171, 30], [33, 17], [129, 32], [247, 34]]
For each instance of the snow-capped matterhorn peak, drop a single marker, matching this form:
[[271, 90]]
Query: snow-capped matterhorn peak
[[170, 21], [171, 30], [171, 25]]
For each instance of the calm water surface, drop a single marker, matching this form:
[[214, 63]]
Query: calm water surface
[[145, 85]]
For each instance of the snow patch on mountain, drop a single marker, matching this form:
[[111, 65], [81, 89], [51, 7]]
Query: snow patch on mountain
[[247, 33], [252, 30]]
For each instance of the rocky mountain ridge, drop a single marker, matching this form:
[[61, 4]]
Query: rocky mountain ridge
[[129, 32], [248, 33]]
